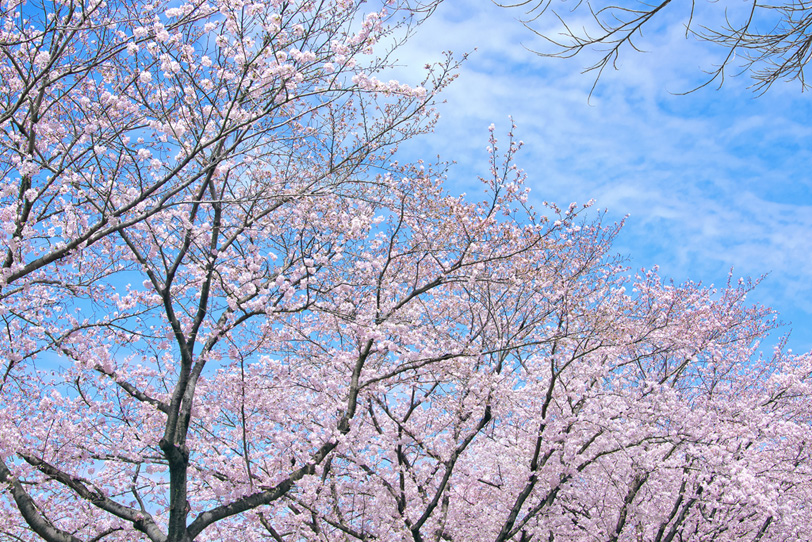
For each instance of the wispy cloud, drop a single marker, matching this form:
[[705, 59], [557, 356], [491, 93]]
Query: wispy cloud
[[711, 180]]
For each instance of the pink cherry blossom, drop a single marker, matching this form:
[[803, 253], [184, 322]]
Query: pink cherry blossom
[[229, 313]]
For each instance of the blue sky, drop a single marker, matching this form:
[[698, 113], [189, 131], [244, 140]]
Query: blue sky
[[710, 180]]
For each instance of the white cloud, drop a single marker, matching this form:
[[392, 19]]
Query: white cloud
[[712, 180]]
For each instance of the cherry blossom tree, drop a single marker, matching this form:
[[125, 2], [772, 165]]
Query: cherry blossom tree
[[231, 314]]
